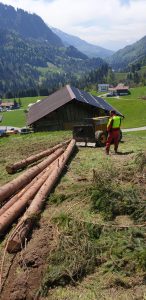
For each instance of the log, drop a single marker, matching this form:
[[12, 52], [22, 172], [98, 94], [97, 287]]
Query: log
[[23, 191], [29, 160], [16, 184], [28, 219], [14, 211]]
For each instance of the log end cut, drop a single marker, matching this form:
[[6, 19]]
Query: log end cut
[[14, 246], [10, 169]]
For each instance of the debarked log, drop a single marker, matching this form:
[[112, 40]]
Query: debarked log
[[23, 191], [14, 211], [29, 160], [16, 184], [28, 219]]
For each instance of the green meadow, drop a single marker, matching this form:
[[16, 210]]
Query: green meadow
[[134, 112], [17, 118], [132, 107]]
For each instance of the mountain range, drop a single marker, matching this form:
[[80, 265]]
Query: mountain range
[[87, 48], [34, 57]]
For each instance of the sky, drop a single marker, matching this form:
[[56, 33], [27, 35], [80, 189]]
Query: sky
[[112, 24]]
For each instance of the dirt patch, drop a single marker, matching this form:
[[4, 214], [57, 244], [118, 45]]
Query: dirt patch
[[27, 270]]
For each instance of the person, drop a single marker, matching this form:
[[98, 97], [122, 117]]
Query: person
[[113, 129]]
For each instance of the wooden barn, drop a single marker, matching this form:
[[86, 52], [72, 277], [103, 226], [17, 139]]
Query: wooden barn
[[65, 108]]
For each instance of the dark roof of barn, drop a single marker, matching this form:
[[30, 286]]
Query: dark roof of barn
[[61, 97]]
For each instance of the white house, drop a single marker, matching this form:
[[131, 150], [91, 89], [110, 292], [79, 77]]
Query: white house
[[103, 87]]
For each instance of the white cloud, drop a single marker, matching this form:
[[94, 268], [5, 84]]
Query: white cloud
[[109, 23]]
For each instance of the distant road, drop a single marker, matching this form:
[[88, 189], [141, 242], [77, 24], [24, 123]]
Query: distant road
[[9, 127], [134, 129], [123, 130]]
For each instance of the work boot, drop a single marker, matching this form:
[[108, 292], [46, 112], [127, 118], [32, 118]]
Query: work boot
[[116, 151], [106, 152]]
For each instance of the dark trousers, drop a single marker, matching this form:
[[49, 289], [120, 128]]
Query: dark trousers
[[113, 136]]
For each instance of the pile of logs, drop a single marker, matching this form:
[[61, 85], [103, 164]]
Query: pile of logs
[[27, 193]]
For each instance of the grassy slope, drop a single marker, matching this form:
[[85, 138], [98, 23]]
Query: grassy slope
[[14, 118], [122, 76], [72, 199], [23, 146], [133, 108], [17, 118], [100, 284], [133, 111]]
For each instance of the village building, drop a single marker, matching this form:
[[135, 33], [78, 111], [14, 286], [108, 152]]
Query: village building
[[119, 90], [103, 87], [8, 105], [66, 108]]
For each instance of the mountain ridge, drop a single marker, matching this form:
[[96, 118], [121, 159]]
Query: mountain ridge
[[131, 54], [83, 46], [27, 25], [30, 65]]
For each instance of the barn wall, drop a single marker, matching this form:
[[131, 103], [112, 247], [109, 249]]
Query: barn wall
[[66, 117]]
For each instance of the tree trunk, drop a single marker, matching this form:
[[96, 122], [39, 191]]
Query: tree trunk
[[16, 184], [25, 162], [36, 205], [12, 213]]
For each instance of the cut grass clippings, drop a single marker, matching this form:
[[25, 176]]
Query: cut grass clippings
[[75, 255], [113, 197], [83, 246]]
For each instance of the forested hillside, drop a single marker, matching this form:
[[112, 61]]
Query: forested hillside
[[133, 54], [27, 66], [30, 65], [35, 61], [27, 25]]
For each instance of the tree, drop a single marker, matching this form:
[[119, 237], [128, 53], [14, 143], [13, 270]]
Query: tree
[[136, 77], [111, 77], [19, 101], [15, 103]]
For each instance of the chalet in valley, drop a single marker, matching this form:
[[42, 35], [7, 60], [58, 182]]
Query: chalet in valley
[[120, 90]]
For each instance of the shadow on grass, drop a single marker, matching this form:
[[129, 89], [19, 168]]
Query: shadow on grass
[[124, 153]]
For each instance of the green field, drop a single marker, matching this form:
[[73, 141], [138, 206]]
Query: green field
[[136, 93], [133, 111], [14, 119], [120, 77], [17, 118], [131, 106]]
